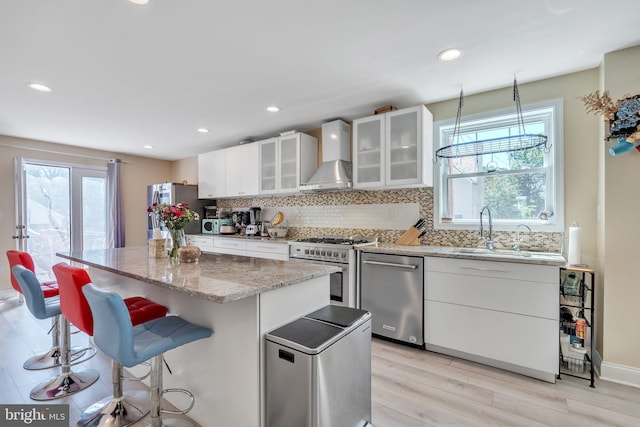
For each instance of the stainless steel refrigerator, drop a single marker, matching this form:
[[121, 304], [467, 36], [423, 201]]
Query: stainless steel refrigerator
[[172, 193]]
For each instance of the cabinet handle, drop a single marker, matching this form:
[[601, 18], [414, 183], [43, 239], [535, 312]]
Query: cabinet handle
[[265, 247], [501, 270], [391, 264]]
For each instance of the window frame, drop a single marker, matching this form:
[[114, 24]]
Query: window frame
[[555, 198]]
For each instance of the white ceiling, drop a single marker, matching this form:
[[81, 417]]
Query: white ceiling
[[124, 75]]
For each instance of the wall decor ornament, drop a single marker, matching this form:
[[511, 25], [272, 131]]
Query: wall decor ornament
[[623, 116]]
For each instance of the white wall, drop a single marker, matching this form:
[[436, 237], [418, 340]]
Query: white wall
[[621, 234]]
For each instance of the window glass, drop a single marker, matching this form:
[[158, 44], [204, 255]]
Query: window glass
[[516, 185]]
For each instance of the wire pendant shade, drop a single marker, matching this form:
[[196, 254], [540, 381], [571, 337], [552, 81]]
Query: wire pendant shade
[[522, 141]]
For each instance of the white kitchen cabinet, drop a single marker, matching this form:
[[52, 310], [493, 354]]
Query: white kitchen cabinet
[[499, 313], [211, 175], [286, 162], [242, 166], [252, 248], [205, 243], [230, 246], [262, 249], [393, 150]]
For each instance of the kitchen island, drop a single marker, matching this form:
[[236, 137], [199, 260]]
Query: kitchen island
[[240, 298]]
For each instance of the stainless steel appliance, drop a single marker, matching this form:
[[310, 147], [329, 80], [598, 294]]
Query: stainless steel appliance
[[254, 227], [318, 370], [392, 289], [337, 251], [173, 193], [335, 172]]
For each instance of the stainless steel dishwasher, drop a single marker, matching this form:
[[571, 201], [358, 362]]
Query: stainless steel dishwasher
[[392, 289]]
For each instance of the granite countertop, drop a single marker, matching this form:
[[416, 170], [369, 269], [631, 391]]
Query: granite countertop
[[504, 255], [216, 277]]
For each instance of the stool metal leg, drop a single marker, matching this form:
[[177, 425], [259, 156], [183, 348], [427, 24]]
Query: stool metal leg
[[156, 398], [51, 358], [67, 382], [119, 410]]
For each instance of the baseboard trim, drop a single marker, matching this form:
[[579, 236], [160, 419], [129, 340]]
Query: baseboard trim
[[621, 374]]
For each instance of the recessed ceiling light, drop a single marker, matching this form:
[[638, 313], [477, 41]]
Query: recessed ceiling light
[[450, 54], [273, 109], [203, 130], [149, 147], [39, 87], [141, 2]]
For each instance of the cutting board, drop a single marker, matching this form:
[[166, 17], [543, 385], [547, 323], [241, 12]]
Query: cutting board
[[411, 237]]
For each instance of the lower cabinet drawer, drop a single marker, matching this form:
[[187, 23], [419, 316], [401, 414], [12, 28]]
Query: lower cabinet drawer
[[235, 244], [525, 341], [278, 251], [517, 296], [205, 243]]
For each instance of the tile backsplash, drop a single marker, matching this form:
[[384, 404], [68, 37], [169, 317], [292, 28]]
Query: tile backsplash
[[384, 214]]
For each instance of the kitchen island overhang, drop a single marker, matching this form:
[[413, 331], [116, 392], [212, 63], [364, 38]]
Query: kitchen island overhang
[[240, 298]]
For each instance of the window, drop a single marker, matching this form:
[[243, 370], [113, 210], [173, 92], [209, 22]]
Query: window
[[517, 186]]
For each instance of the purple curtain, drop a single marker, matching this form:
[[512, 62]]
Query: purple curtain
[[115, 210]]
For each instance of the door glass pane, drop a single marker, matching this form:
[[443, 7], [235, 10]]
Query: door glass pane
[[288, 163], [369, 152], [94, 221], [403, 146], [47, 218], [268, 166]]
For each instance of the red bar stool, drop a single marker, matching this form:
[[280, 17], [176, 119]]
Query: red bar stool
[[51, 358], [116, 410]]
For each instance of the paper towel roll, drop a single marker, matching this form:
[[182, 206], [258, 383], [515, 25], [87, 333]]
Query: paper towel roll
[[575, 242]]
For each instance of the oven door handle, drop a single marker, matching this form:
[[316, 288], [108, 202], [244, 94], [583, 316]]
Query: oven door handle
[[391, 264]]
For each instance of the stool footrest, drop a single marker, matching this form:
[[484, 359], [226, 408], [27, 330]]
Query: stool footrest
[[134, 378], [183, 391]]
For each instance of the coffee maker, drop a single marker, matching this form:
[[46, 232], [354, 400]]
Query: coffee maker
[[254, 226]]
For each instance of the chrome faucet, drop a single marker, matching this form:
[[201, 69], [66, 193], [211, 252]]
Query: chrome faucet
[[516, 245], [489, 240]]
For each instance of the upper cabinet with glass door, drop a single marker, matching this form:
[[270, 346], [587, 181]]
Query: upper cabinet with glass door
[[394, 150], [286, 162]]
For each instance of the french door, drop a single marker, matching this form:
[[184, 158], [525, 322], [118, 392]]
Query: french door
[[59, 208]]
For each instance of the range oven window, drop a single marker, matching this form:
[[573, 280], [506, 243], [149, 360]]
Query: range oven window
[[336, 287]]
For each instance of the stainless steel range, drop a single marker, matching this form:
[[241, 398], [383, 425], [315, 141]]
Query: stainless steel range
[[337, 251]]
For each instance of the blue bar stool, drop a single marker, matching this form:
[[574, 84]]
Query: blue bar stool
[[50, 289], [131, 345], [67, 382]]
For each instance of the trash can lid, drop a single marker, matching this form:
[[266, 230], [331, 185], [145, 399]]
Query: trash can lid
[[338, 315], [305, 335]]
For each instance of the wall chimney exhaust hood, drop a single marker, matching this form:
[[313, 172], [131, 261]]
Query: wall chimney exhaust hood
[[335, 172]]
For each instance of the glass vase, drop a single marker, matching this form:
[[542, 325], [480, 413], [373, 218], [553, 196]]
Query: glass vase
[[175, 240]]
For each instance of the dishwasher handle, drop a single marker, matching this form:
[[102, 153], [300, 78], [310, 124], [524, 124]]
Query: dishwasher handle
[[391, 264]]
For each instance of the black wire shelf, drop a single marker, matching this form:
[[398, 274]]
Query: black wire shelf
[[492, 146]]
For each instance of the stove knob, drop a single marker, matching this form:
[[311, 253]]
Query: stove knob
[[336, 254], [323, 253], [306, 251], [344, 254], [312, 252]]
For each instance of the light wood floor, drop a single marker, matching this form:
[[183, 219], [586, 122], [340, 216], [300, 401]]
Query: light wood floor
[[410, 387]]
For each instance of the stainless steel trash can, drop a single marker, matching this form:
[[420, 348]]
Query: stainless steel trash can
[[318, 370]]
